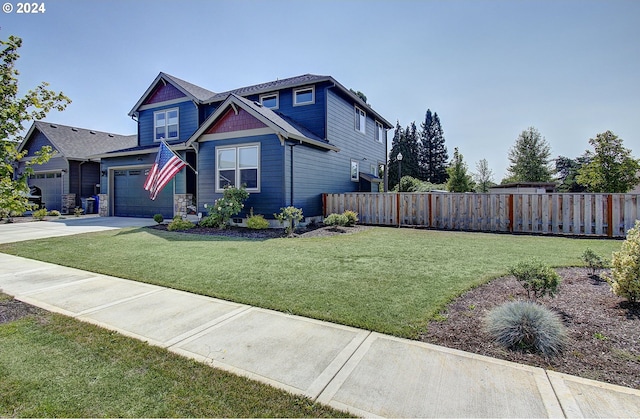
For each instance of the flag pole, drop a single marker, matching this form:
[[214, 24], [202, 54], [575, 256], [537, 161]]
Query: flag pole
[[175, 154]]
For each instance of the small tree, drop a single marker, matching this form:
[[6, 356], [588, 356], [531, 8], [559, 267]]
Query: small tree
[[625, 267], [459, 179], [14, 111], [536, 278], [483, 176], [289, 216], [530, 158]]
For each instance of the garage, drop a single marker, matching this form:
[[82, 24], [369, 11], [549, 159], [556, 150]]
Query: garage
[[131, 200], [50, 185]]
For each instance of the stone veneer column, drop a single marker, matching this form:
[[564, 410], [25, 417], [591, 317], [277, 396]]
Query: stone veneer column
[[180, 203], [103, 205], [68, 203]]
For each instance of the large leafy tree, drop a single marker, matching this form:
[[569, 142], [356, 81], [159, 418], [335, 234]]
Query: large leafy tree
[[14, 111], [530, 158], [611, 169], [433, 152], [459, 178]]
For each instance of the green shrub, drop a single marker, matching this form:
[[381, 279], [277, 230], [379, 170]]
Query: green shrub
[[352, 217], [537, 278], [593, 261], [78, 211], [158, 218], [226, 207], [178, 224], [336, 220], [289, 216], [528, 326], [625, 267], [257, 222], [54, 213], [40, 214]]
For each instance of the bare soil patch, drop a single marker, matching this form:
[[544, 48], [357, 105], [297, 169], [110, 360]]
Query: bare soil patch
[[11, 310], [603, 329], [312, 230]]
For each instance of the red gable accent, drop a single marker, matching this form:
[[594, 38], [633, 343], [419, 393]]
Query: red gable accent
[[163, 92], [231, 122]]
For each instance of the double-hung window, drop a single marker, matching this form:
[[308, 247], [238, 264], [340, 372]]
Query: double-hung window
[[166, 124], [238, 166], [361, 120]]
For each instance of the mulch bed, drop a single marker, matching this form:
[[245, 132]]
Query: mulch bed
[[311, 230], [603, 329]]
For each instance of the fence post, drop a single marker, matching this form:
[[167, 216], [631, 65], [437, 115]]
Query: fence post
[[511, 212], [610, 215], [398, 208]]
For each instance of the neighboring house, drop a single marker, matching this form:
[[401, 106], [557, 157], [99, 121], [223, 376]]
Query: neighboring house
[[524, 187], [287, 141], [70, 175]]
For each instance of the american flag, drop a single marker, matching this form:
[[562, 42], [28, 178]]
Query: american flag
[[167, 165]]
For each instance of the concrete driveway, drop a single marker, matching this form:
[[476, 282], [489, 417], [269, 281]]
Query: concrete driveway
[[21, 231]]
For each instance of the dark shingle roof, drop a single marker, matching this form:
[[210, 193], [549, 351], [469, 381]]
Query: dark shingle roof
[[79, 143], [199, 93], [270, 86]]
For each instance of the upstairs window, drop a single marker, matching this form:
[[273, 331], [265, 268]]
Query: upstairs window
[[270, 100], [166, 124], [361, 120], [304, 96], [379, 132]]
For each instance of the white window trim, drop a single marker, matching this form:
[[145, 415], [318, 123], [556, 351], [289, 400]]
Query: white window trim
[[357, 177], [268, 95], [166, 125], [363, 126], [237, 169], [313, 96], [379, 132]]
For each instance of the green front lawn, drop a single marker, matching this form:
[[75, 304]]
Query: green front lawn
[[385, 279], [55, 366]]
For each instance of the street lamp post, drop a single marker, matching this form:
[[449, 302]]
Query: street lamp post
[[399, 158]]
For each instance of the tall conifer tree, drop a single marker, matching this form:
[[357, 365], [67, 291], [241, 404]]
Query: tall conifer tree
[[433, 152]]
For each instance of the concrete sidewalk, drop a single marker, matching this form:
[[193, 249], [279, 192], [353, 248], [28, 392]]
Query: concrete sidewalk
[[365, 373]]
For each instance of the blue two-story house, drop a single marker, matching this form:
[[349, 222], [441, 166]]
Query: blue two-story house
[[287, 141]]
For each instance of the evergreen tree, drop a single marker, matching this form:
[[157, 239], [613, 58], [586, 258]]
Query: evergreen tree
[[433, 152], [529, 158], [404, 141], [459, 179], [483, 176], [612, 169], [567, 173], [396, 148]]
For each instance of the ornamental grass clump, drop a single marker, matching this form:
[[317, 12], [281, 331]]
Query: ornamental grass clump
[[625, 267], [528, 326], [536, 278]]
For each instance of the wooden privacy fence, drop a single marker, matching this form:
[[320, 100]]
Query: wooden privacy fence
[[556, 213]]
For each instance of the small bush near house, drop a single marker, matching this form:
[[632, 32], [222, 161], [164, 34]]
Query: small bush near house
[[257, 222], [527, 326], [226, 207], [625, 267], [593, 261], [289, 216], [158, 218], [179, 224], [54, 213], [78, 211], [40, 214], [352, 218], [536, 278], [336, 220]]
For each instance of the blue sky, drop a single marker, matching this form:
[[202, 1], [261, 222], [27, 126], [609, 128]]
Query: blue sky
[[490, 69]]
